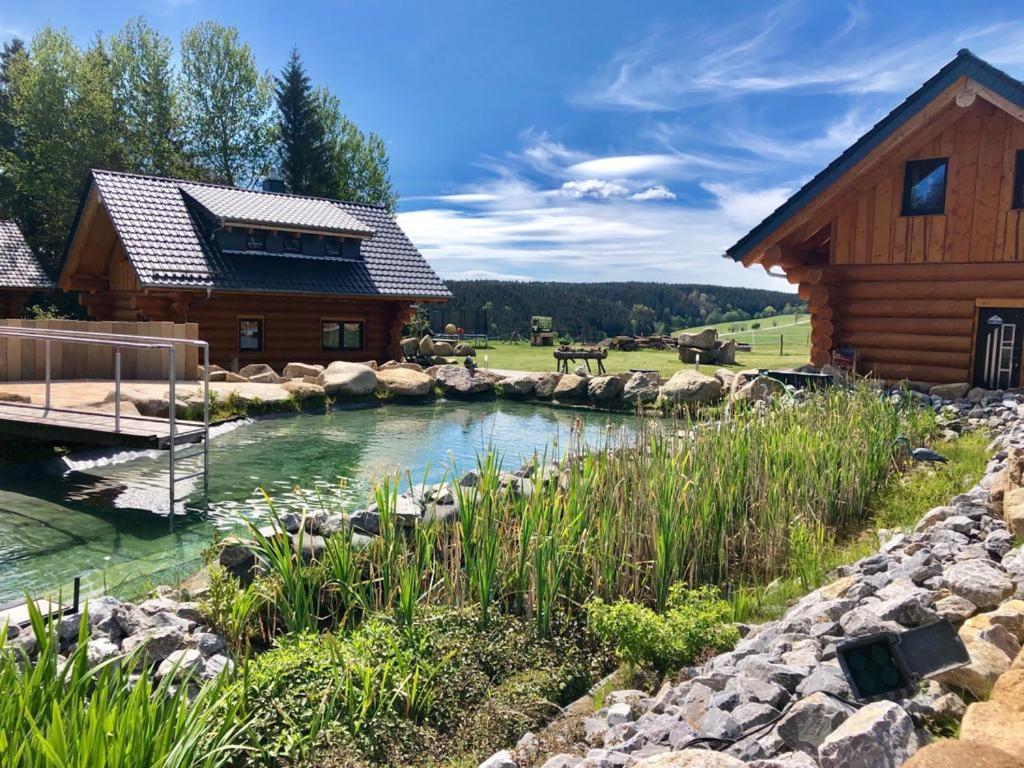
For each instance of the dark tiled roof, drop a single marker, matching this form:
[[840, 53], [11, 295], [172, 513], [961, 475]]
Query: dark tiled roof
[[246, 206], [966, 64], [164, 241], [19, 267]]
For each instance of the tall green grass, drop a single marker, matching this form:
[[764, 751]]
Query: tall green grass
[[755, 496]]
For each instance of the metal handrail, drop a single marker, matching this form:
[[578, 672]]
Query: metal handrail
[[121, 341]]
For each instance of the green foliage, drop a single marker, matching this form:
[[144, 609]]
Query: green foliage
[[226, 103], [56, 713], [436, 689], [695, 621], [233, 610]]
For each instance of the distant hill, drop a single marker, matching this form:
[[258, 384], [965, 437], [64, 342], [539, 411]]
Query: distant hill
[[592, 311]]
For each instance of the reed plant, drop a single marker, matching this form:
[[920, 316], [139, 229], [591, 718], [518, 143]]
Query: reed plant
[[757, 495]]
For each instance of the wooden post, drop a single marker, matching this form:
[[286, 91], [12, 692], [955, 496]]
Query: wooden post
[[780, 345]]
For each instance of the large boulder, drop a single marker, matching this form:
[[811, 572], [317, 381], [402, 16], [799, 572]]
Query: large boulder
[[410, 347], [546, 384], [462, 349], [810, 721], [704, 339], [299, 370], [456, 381], [256, 369], [303, 390], [571, 387], [978, 581], [688, 758], [750, 387], [691, 387], [402, 382], [426, 346], [957, 753], [949, 391], [348, 380], [993, 723], [156, 644], [519, 385], [442, 348], [642, 387], [879, 735], [605, 389]]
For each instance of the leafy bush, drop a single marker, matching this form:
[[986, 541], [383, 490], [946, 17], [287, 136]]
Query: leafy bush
[[441, 688], [694, 621]]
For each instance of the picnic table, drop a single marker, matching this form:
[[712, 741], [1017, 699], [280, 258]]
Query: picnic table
[[565, 355]]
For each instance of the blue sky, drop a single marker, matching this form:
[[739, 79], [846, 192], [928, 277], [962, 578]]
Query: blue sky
[[593, 140]]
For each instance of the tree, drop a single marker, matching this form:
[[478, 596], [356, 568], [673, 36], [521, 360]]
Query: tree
[[12, 49], [359, 163], [768, 311], [226, 105], [303, 150], [642, 319], [59, 107], [145, 100]]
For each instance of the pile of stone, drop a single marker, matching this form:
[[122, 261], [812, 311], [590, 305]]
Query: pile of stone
[[425, 349], [705, 347], [959, 563], [168, 636]]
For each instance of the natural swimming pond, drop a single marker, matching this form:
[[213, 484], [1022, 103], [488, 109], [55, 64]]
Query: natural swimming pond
[[106, 520]]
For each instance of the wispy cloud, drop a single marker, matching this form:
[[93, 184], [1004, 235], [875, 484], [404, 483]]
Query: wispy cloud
[[671, 68]]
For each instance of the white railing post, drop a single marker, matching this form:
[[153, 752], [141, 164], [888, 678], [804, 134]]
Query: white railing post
[[117, 389], [47, 374]]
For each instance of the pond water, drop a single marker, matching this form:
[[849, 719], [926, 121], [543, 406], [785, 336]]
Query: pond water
[[104, 517]]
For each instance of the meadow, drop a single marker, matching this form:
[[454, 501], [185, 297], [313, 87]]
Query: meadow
[[435, 645], [795, 336]]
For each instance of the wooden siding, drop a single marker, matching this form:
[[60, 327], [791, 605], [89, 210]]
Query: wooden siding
[[23, 360], [979, 224], [917, 321], [291, 324]]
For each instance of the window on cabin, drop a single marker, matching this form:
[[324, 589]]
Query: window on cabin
[[332, 246], [924, 187], [1018, 180], [292, 242], [256, 241], [340, 335], [250, 334]]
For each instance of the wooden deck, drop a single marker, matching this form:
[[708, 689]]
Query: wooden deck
[[96, 428]]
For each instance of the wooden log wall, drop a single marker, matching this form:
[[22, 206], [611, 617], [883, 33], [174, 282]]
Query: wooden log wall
[[23, 360], [917, 321], [292, 327]]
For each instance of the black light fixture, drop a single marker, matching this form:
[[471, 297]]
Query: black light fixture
[[892, 664]]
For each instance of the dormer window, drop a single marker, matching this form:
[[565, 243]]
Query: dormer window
[[256, 241], [332, 246], [292, 242]]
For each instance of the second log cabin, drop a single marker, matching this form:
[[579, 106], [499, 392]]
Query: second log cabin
[[269, 277], [909, 247]]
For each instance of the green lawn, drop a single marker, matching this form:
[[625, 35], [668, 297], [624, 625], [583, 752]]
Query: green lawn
[[523, 357]]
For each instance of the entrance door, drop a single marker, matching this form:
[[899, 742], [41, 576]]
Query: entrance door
[[997, 348]]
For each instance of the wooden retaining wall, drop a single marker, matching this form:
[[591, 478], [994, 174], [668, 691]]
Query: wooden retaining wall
[[22, 360]]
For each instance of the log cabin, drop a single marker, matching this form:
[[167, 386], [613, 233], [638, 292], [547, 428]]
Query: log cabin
[[269, 277], [21, 274], [909, 247]]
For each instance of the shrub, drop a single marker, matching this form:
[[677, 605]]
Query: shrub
[[695, 621]]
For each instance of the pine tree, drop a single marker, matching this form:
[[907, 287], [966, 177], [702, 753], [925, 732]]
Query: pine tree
[[302, 147]]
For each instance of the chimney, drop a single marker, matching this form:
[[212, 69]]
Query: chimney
[[274, 183]]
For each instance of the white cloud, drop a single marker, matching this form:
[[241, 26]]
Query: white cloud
[[558, 237], [596, 188], [657, 192], [663, 165]]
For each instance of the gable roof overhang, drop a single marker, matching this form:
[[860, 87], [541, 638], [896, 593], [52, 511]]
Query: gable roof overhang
[[958, 82]]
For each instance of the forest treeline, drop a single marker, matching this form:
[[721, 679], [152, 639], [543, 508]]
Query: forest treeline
[[596, 310], [203, 111]]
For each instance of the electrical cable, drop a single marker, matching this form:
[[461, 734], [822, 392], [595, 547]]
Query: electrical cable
[[726, 742]]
